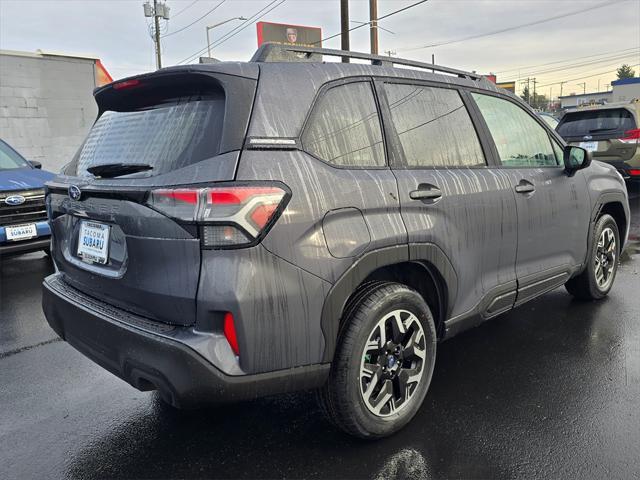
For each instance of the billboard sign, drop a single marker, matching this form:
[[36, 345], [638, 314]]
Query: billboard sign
[[508, 86], [286, 34]]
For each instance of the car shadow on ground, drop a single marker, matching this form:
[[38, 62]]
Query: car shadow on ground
[[493, 388]]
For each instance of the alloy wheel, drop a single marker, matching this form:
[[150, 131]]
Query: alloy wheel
[[392, 363], [605, 258]]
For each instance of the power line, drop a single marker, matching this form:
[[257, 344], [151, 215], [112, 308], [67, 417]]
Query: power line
[[185, 8], [614, 64], [378, 19], [195, 21], [573, 66], [568, 59], [256, 16], [239, 28], [515, 27], [234, 30], [587, 76]]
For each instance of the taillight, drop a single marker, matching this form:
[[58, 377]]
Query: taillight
[[126, 84], [631, 136], [230, 215], [634, 172]]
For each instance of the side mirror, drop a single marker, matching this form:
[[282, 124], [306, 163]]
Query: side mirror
[[35, 164], [576, 158]]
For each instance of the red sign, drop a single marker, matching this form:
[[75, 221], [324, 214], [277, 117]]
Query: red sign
[[287, 34]]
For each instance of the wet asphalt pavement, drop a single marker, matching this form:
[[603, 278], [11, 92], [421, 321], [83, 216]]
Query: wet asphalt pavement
[[550, 390]]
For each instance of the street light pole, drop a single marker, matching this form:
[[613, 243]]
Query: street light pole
[[211, 27]]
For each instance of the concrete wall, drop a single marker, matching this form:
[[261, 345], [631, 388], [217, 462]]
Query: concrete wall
[[46, 105]]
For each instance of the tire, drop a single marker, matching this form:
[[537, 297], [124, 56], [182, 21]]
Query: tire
[[371, 405], [597, 278]]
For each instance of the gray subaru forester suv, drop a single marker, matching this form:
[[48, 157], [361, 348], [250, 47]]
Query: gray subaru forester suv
[[233, 230]]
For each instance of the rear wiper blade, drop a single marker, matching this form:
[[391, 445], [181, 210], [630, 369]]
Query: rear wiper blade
[[601, 130], [111, 170]]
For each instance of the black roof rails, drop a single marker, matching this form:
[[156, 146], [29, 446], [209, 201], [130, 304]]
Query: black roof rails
[[275, 52]]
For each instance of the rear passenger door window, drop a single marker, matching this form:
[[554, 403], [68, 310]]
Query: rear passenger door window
[[344, 128], [433, 126], [520, 140]]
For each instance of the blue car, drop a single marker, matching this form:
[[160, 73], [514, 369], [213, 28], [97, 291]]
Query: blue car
[[23, 216]]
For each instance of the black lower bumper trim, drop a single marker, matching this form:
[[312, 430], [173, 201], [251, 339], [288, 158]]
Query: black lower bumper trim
[[149, 361], [25, 246]]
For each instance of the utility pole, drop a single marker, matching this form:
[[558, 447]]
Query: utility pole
[[157, 11], [156, 19], [344, 28], [373, 27], [561, 83], [534, 81], [584, 87]]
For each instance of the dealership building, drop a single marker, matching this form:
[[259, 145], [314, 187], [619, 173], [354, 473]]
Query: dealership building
[[621, 91], [46, 103]]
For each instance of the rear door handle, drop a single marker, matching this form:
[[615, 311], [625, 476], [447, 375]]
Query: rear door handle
[[432, 193], [525, 187]]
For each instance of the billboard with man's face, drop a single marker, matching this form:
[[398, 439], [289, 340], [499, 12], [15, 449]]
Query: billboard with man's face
[[289, 34]]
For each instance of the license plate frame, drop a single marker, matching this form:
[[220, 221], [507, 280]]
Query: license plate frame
[[589, 146], [93, 242], [16, 233]]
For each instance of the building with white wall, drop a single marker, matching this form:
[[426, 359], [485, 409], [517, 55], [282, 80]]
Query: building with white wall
[[621, 91]]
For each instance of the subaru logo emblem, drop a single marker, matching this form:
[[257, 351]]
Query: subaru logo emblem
[[587, 137], [14, 200], [74, 192]]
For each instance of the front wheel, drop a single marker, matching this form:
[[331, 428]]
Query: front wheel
[[383, 364], [597, 278]]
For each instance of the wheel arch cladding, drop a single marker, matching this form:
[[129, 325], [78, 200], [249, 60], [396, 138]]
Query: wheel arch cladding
[[616, 210], [423, 267]]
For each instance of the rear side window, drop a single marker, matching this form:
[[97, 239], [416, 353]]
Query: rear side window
[[521, 141], [344, 127], [434, 127], [167, 136], [607, 122]]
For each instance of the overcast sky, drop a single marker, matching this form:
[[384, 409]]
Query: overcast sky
[[116, 31]]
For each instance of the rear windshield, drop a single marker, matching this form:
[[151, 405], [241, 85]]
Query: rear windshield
[[608, 122], [167, 136]]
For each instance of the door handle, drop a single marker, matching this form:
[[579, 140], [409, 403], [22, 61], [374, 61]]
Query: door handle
[[433, 193], [525, 187]]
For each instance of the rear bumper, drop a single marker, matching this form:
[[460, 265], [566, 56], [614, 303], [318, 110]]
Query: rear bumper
[[38, 243], [143, 356]]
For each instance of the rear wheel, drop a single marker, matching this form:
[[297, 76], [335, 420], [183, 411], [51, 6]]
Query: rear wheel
[[597, 278], [383, 364]]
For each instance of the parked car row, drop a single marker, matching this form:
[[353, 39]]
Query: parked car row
[[611, 132], [23, 216]]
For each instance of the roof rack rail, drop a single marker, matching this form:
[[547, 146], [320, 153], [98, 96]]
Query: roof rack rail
[[275, 52]]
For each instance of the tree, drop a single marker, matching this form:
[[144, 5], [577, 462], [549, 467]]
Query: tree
[[625, 71], [536, 100]]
